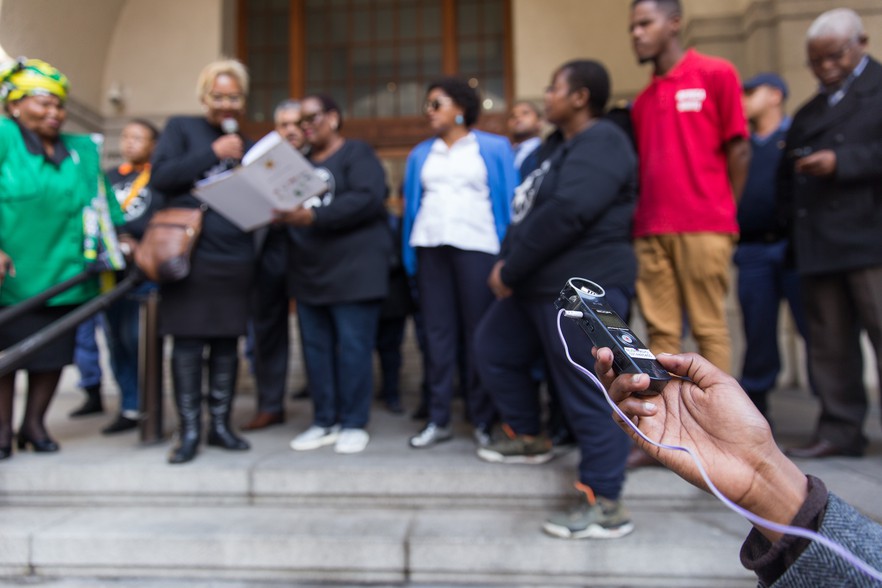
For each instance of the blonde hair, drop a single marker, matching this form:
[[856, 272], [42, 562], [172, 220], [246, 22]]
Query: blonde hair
[[215, 69]]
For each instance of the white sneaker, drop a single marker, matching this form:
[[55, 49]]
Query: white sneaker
[[352, 441], [431, 435], [315, 437]]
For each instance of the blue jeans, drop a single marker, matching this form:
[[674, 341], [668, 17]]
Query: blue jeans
[[513, 334], [764, 279], [122, 330], [86, 356], [338, 344]]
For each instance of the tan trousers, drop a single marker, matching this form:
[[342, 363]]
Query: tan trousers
[[691, 272]]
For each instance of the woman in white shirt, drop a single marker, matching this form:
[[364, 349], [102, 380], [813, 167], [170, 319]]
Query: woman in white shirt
[[457, 189]]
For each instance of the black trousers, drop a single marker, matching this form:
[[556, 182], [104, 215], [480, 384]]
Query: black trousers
[[838, 306], [453, 297], [512, 335], [270, 321]]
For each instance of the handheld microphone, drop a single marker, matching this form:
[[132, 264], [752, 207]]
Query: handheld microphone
[[230, 126]]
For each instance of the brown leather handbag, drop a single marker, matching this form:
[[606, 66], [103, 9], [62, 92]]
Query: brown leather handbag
[[164, 252]]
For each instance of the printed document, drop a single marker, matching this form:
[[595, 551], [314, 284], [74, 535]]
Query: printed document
[[273, 176]]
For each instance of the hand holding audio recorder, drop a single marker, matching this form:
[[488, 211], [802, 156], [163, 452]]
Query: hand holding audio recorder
[[583, 301]]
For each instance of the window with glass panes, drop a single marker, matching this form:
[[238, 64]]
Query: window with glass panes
[[375, 58]]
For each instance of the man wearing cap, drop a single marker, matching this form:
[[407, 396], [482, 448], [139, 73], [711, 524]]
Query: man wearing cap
[[831, 186], [765, 269]]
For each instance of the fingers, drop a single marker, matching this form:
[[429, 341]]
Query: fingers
[[228, 146], [603, 357], [636, 407], [7, 268], [698, 369], [626, 385]]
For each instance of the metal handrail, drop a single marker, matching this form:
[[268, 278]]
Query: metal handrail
[[14, 356], [13, 312]]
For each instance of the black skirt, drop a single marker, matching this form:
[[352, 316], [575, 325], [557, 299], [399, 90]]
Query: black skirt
[[213, 301], [51, 358]]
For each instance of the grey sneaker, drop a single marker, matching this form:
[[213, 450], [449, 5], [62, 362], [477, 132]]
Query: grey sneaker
[[483, 436], [431, 435], [518, 449], [596, 518]]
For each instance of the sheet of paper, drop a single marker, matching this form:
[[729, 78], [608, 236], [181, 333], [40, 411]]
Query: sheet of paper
[[273, 176]]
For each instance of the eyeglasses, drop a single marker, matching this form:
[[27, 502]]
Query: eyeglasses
[[310, 119], [436, 104], [835, 57], [231, 99]]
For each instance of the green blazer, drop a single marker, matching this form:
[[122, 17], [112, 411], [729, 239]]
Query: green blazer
[[41, 215]]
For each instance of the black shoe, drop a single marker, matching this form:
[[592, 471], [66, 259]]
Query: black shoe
[[301, 394], [226, 439], [121, 424], [5, 452], [92, 405], [421, 413], [394, 406], [563, 438], [45, 445]]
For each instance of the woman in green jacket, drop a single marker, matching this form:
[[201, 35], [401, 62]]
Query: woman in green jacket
[[50, 205]]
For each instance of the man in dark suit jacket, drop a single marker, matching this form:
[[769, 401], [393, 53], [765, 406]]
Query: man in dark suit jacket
[[831, 189]]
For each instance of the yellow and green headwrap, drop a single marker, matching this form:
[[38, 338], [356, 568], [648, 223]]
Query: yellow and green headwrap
[[28, 77]]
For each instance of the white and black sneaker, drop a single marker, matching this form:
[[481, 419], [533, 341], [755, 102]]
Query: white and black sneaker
[[431, 435]]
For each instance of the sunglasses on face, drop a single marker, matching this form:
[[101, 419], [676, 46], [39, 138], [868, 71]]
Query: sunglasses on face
[[436, 104]]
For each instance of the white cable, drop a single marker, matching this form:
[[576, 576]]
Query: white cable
[[753, 518]]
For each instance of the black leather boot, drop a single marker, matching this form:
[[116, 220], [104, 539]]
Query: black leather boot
[[222, 369], [187, 378]]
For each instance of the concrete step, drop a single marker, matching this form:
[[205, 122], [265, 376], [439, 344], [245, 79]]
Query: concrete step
[[387, 474], [285, 545], [92, 470]]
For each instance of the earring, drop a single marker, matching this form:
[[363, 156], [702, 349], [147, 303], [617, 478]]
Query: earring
[[459, 119]]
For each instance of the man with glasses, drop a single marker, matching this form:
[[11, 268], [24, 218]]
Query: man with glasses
[[270, 311], [830, 190]]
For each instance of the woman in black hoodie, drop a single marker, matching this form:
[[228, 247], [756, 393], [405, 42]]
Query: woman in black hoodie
[[571, 218]]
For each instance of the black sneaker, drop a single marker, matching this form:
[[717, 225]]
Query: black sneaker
[[121, 424]]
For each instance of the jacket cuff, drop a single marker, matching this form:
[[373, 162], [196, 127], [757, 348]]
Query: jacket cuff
[[770, 560]]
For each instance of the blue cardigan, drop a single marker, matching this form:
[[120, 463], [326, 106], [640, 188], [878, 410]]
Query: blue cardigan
[[502, 178]]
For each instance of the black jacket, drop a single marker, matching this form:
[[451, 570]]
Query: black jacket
[[344, 255], [184, 156], [836, 222], [572, 216]]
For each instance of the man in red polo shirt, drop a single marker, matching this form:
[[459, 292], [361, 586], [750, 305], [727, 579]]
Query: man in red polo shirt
[[691, 135]]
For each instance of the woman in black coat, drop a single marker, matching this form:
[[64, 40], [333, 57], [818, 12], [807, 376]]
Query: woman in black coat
[[338, 272], [209, 308]]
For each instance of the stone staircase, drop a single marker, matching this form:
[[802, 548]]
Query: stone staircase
[[109, 510]]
